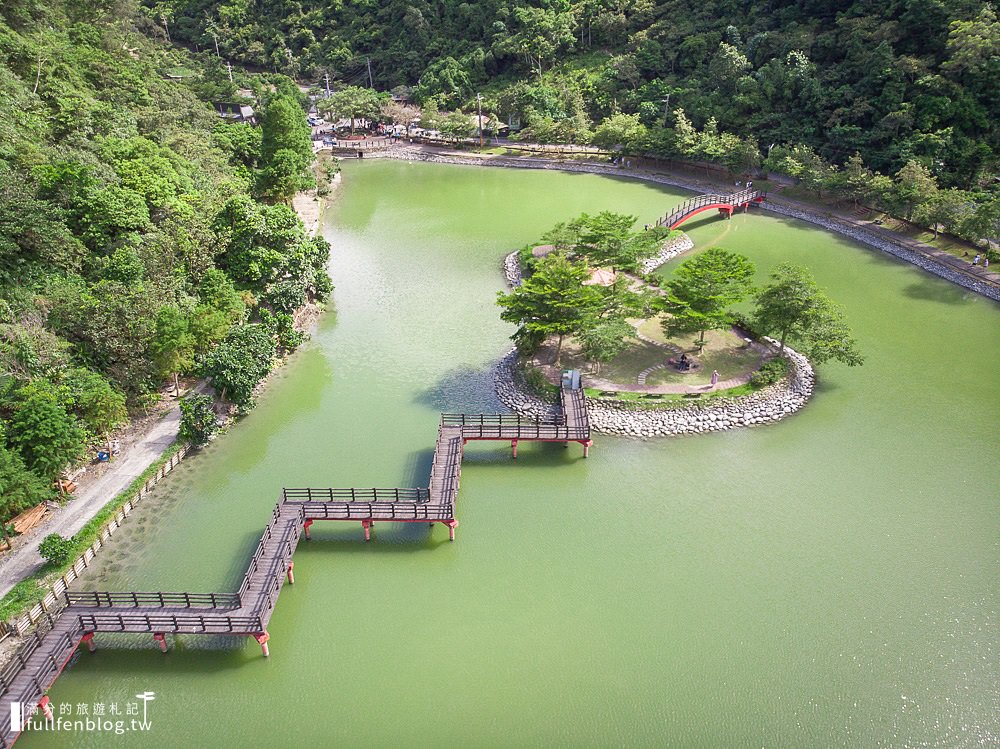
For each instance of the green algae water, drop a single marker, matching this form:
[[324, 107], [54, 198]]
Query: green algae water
[[830, 580]]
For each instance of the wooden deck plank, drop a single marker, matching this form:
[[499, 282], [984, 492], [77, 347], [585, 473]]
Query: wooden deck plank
[[27, 679]]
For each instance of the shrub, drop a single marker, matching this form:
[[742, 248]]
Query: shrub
[[770, 372], [55, 549], [198, 424], [286, 295], [536, 382]]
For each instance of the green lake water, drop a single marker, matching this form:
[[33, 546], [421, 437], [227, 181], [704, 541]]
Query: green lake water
[[831, 580]]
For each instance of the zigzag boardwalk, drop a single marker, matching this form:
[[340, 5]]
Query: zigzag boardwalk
[[46, 652], [725, 204]]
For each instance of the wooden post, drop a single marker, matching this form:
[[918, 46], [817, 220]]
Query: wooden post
[[513, 448], [88, 637], [586, 448], [291, 575], [452, 524], [367, 525], [305, 526], [161, 640]]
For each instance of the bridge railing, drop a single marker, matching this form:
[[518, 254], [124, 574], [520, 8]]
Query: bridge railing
[[526, 431], [56, 654], [157, 599], [32, 643], [700, 201], [502, 420], [377, 511], [574, 405], [282, 527], [354, 495], [185, 623], [274, 575]]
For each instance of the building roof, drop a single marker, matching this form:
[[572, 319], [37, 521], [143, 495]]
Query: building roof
[[600, 277]]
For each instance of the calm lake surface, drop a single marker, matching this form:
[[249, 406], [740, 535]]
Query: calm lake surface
[[831, 580]]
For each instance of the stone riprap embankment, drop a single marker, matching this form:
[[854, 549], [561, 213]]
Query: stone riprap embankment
[[512, 269], [671, 249], [885, 245], [514, 393], [415, 153], [631, 419]]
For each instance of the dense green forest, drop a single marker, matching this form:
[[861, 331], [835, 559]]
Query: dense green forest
[[894, 80], [140, 237]]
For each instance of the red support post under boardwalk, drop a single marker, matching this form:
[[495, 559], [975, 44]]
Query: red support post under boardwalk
[[262, 638], [247, 611]]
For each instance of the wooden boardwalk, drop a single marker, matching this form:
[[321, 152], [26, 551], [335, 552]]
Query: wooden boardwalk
[[44, 654]]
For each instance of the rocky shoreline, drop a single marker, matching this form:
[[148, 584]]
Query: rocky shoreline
[[858, 234], [631, 419], [671, 249], [770, 404], [902, 252]]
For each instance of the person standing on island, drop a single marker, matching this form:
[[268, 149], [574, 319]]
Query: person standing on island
[[715, 377]]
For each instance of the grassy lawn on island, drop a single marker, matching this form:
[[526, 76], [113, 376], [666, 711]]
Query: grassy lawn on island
[[624, 368], [724, 351]]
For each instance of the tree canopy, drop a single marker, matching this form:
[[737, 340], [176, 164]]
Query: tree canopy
[[703, 289], [892, 81], [794, 308], [124, 197]]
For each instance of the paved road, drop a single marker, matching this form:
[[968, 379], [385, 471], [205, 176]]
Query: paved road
[[67, 520]]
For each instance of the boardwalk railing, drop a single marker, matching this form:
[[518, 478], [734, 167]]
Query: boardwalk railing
[[423, 510], [353, 495], [181, 623], [503, 420], [71, 616], [158, 599], [52, 603], [505, 426], [22, 654], [266, 543], [57, 647]]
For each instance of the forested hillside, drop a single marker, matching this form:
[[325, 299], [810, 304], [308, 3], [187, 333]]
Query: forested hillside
[[139, 236], [892, 79]]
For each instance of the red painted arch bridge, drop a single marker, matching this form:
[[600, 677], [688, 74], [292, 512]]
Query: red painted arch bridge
[[724, 204]]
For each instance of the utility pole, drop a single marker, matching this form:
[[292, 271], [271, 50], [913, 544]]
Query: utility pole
[[479, 119], [326, 77], [229, 69], [666, 107], [371, 83]]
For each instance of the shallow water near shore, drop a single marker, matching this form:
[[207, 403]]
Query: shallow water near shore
[[826, 581]]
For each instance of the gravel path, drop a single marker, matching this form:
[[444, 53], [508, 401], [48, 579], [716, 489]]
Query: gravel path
[[71, 517]]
